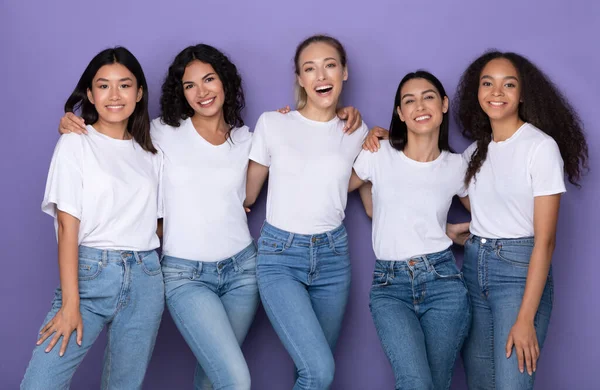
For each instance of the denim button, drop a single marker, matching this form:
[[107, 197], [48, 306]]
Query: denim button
[[220, 266], [483, 240]]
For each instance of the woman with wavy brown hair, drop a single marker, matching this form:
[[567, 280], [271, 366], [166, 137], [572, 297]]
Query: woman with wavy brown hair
[[526, 138]]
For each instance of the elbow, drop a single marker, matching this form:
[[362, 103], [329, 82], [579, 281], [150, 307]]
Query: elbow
[[547, 244], [369, 212]]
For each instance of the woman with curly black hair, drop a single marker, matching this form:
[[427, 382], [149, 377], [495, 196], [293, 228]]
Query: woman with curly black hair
[[527, 137]]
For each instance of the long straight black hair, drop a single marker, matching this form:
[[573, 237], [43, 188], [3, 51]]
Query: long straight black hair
[[398, 129], [138, 124]]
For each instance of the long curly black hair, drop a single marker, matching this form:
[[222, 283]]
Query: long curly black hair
[[173, 105], [543, 105]]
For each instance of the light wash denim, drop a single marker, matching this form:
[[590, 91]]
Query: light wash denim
[[495, 271], [213, 305], [122, 290], [422, 314], [304, 282]]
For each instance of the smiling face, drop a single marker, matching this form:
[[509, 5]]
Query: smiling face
[[114, 93], [203, 89], [421, 106], [321, 74], [499, 91]]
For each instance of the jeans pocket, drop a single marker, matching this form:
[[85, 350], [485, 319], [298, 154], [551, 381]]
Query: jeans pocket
[[247, 265], [340, 245], [89, 269], [270, 246], [173, 273], [446, 269], [151, 264], [380, 279], [516, 255]]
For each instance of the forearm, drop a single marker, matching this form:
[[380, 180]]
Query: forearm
[[257, 174], [68, 262], [367, 197], [537, 276]]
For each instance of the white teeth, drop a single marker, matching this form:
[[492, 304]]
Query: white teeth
[[496, 103], [204, 103], [323, 87], [422, 118], [120, 106]]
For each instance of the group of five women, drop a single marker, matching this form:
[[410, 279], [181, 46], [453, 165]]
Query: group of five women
[[191, 175]]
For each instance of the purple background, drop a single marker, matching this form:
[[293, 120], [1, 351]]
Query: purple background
[[46, 45]]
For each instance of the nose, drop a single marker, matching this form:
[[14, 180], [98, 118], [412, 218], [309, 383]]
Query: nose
[[201, 91], [321, 74], [115, 94], [497, 91]]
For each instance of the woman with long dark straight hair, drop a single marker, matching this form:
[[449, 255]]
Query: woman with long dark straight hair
[[102, 191], [526, 137], [418, 299]]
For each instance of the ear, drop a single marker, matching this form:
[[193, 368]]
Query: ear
[[345, 74], [140, 93], [400, 113], [445, 105], [90, 96]]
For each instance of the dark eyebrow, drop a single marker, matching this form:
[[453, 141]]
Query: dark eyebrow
[[326, 59], [106, 80], [422, 93], [203, 78], [506, 78]]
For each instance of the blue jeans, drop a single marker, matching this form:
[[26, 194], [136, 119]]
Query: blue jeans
[[304, 282], [495, 271], [213, 305], [422, 314], [122, 290]]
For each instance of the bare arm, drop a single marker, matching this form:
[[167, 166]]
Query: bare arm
[[68, 319], [466, 202], [159, 228], [523, 335], [355, 182], [367, 197], [257, 174]]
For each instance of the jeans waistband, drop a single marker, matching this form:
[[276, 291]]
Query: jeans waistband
[[289, 238], [499, 242], [111, 255], [245, 253], [427, 260]]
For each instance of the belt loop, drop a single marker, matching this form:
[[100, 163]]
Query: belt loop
[[330, 238], [391, 268], [104, 257], [426, 261], [199, 267], [289, 240], [136, 255]]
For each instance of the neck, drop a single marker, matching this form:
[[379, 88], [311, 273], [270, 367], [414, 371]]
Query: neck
[[213, 125], [113, 130], [422, 147], [503, 129], [317, 113]]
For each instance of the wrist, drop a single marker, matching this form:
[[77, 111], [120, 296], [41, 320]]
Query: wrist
[[526, 317]]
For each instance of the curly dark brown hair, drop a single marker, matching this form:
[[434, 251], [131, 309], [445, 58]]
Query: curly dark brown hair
[[173, 105], [543, 105]]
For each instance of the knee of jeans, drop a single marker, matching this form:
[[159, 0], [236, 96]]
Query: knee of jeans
[[319, 373]]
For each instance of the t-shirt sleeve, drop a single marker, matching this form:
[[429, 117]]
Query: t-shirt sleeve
[[160, 209], [260, 151], [462, 188], [468, 153], [64, 185], [547, 169], [362, 165]]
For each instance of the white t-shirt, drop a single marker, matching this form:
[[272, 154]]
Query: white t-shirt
[[309, 169], [203, 190], [110, 185], [411, 200], [516, 170]]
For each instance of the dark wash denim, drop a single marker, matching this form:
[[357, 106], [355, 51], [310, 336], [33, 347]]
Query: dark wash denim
[[496, 271], [213, 305], [422, 314], [122, 290], [304, 281]]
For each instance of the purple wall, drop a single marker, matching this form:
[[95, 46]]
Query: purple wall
[[46, 45]]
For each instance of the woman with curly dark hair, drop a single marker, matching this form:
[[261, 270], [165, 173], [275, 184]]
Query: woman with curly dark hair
[[527, 137]]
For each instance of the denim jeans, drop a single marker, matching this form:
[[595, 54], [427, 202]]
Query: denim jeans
[[422, 314], [213, 305], [495, 271], [304, 282], [122, 290]]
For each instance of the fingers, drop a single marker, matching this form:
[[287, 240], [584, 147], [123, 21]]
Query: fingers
[[80, 333], [284, 110], [65, 342], [509, 345], [520, 358], [343, 113], [71, 123], [381, 132], [47, 326], [47, 333], [528, 359], [534, 357], [53, 342], [247, 209]]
